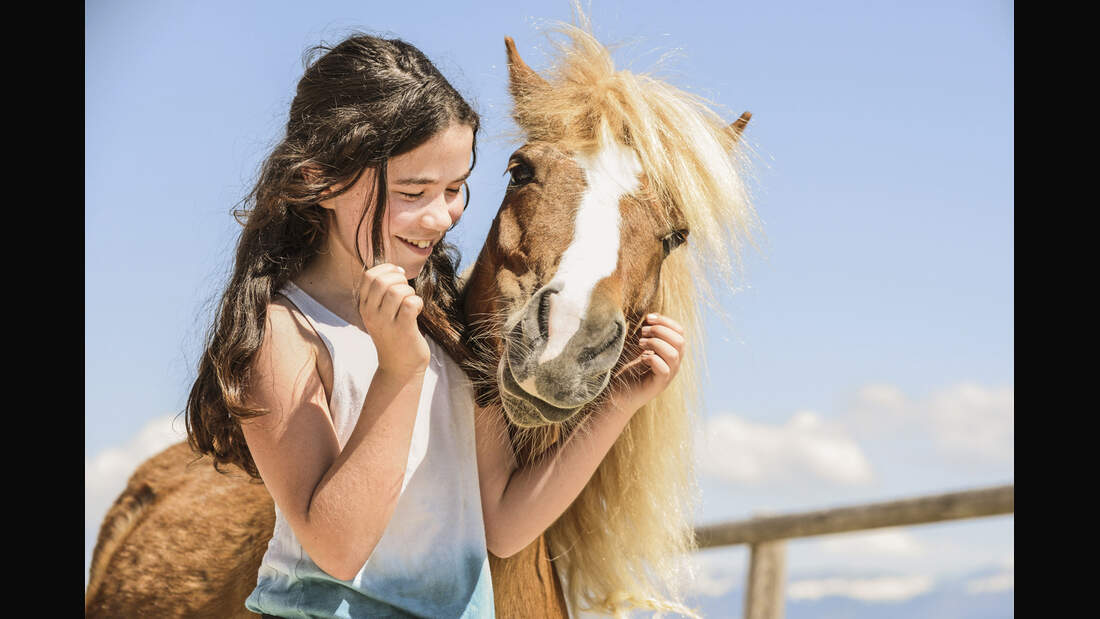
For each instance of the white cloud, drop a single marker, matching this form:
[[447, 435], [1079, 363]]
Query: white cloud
[[894, 542], [972, 420], [879, 409], [992, 584], [882, 589], [733, 449], [885, 398], [965, 420], [966, 423], [716, 573], [106, 474], [1002, 581]]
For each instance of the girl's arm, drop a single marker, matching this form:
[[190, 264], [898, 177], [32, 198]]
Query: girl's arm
[[338, 502], [519, 504]]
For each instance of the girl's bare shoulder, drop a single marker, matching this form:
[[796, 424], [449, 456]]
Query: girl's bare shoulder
[[286, 373], [290, 336], [287, 328]]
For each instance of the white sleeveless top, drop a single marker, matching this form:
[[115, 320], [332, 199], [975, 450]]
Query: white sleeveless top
[[431, 560]]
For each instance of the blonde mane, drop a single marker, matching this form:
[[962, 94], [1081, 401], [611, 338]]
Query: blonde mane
[[625, 542]]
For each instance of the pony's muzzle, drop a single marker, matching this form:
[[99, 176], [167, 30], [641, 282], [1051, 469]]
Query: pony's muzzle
[[575, 371]]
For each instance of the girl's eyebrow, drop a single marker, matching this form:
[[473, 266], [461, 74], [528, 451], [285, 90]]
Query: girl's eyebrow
[[420, 180]]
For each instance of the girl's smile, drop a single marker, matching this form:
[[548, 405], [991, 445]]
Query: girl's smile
[[420, 249], [418, 244]]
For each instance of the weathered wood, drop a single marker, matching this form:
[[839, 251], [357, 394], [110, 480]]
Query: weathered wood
[[936, 508], [767, 580]]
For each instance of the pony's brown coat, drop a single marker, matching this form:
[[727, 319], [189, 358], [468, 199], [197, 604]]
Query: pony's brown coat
[[181, 541]]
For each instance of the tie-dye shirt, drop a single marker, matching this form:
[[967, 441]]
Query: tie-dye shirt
[[431, 560]]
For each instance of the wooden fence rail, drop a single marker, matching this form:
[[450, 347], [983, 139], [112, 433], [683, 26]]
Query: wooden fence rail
[[767, 535]]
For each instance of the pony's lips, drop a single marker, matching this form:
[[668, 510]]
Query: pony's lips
[[531, 411], [557, 389]]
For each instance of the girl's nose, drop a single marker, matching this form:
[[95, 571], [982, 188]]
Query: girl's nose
[[436, 216]]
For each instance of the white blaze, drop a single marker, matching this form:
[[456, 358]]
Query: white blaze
[[594, 253]]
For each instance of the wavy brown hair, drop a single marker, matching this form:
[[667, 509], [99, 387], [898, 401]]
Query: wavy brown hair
[[358, 104]]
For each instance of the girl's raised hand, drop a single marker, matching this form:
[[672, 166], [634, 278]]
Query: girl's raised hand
[[662, 342], [389, 306]]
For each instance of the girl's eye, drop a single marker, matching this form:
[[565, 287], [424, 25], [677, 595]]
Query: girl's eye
[[411, 196], [454, 191]]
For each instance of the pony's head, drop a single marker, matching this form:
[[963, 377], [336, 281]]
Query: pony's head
[[581, 241], [616, 174]]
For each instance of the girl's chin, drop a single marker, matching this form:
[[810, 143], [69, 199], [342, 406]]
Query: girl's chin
[[412, 267], [411, 258]]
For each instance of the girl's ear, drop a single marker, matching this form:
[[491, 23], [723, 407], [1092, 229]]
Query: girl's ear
[[312, 175]]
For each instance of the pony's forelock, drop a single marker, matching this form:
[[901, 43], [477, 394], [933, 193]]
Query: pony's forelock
[[694, 164]]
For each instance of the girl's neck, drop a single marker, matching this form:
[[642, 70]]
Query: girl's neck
[[331, 277]]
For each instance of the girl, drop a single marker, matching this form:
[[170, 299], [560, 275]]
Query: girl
[[324, 373]]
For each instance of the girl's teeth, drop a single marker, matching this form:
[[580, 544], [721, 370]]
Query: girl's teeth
[[420, 244]]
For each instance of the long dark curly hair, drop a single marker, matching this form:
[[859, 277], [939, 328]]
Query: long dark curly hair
[[358, 104]]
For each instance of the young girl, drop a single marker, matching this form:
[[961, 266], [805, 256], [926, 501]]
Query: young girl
[[324, 374]]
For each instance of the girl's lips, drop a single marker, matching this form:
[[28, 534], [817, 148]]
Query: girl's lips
[[420, 251]]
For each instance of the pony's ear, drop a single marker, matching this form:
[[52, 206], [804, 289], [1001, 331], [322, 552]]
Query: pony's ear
[[522, 79], [738, 126]]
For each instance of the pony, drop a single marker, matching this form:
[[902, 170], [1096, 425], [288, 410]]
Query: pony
[[626, 196], [617, 174]]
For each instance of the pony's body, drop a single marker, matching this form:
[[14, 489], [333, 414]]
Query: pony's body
[[181, 541], [617, 171]]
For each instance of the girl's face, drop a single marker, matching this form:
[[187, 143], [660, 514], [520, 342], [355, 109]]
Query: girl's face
[[425, 198]]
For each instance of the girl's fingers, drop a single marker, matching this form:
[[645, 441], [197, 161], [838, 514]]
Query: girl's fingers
[[667, 352], [665, 333], [661, 319], [659, 366], [377, 287], [392, 299], [385, 268], [378, 276], [410, 308], [630, 366]]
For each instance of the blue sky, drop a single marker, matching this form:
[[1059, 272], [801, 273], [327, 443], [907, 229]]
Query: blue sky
[[874, 323]]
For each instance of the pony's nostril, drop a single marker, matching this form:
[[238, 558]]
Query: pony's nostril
[[544, 314], [592, 352]]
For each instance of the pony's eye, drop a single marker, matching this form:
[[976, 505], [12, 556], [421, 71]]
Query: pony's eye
[[521, 173], [673, 240]]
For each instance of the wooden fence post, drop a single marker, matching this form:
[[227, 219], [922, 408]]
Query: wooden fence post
[[767, 536], [767, 580]]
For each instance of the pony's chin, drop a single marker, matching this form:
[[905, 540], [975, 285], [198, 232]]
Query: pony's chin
[[526, 410], [533, 413]]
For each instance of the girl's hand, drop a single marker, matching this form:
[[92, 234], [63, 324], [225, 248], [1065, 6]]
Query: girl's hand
[[389, 306], [662, 341]]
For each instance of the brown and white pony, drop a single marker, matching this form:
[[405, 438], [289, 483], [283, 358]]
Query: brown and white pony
[[618, 169]]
